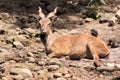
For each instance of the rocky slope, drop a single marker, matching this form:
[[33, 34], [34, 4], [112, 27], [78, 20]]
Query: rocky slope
[[22, 55]]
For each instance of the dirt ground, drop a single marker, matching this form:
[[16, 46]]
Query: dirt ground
[[22, 54]]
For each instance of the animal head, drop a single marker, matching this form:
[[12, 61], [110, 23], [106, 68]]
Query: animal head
[[46, 21]]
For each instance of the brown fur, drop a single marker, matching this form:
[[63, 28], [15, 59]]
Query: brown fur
[[75, 46]]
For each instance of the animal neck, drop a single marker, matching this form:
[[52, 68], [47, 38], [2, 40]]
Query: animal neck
[[49, 40]]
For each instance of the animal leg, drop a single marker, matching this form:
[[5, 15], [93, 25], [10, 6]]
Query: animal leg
[[96, 60], [94, 54]]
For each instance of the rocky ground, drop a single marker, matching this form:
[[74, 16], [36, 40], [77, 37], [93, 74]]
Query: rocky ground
[[22, 55]]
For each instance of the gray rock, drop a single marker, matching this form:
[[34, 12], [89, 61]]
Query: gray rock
[[26, 73], [18, 44], [53, 68], [105, 68]]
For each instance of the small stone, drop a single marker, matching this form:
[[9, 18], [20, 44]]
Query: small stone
[[41, 63], [89, 20], [18, 45], [22, 71], [43, 74], [63, 70], [68, 75], [105, 68], [111, 23], [106, 17], [18, 77], [23, 39], [54, 62], [101, 76], [61, 79], [57, 75], [53, 68], [117, 66], [31, 59], [110, 64], [94, 32], [30, 54]]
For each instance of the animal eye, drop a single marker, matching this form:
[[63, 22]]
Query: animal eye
[[50, 24]]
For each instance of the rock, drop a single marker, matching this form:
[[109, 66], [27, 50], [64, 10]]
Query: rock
[[54, 62], [18, 44], [105, 68], [2, 58], [18, 77], [61, 79], [2, 32], [94, 32], [83, 2], [26, 73], [111, 23], [106, 17], [41, 63], [53, 68], [9, 39], [31, 32], [57, 75], [68, 75], [43, 74], [30, 54], [21, 38], [89, 20], [117, 66], [31, 60], [63, 70]]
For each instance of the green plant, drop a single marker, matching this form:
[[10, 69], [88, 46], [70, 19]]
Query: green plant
[[97, 11]]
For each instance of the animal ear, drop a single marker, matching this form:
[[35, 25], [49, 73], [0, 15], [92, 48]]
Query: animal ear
[[52, 13], [41, 14]]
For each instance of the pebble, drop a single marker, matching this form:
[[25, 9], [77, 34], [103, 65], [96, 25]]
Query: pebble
[[57, 75], [54, 62], [22, 71], [53, 68], [18, 77], [105, 68], [61, 79], [18, 44], [41, 63], [31, 59]]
